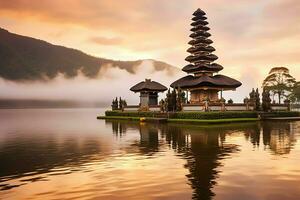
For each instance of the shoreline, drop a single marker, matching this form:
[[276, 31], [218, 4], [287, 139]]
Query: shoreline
[[202, 118], [181, 121]]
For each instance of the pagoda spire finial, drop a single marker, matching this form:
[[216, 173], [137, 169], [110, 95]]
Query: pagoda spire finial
[[199, 12]]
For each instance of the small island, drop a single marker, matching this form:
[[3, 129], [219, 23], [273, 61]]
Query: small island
[[198, 97]]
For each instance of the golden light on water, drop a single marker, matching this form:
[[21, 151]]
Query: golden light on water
[[118, 159]]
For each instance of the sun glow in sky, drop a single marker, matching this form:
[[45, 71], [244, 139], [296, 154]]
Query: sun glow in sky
[[251, 36]]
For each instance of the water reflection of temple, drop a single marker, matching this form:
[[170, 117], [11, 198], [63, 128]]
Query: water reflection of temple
[[204, 148], [148, 142], [278, 137], [118, 129], [203, 152]]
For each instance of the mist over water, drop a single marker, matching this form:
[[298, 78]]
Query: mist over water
[[111, 82], [83, 91]]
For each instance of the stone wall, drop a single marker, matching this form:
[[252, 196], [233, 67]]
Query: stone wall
[[202, 107], [193, 107], [131, 108], [154, 108], [280, 107], [134, 108]]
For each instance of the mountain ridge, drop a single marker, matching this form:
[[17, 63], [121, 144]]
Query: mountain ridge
[[25, 58]]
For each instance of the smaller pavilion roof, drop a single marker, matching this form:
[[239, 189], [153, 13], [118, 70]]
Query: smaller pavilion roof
[[148, 85]]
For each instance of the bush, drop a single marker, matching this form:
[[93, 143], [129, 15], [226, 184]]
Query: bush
[[230, 101], [205, 115], [131, 114], [280, 114], [186, 115], [214, 115]]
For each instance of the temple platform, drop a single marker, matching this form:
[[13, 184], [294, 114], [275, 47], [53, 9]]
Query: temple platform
[[282, 118]]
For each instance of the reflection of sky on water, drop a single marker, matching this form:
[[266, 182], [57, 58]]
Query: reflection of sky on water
[[68, 154]]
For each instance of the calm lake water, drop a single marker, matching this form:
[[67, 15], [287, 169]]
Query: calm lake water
[[68, 154]]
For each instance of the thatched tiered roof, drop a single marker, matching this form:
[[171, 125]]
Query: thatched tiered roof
[[202, 59], [148, 85], [205, 81], [201, 51], [190, 68]]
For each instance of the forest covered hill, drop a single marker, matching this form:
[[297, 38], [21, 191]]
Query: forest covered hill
[[24, 58]]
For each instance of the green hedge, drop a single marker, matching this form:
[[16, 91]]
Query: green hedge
[[213, 121], [204, 115], [185, 115], [131, 114], [280, 114], [215, 115]]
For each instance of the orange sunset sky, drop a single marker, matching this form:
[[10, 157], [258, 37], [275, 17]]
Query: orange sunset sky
[[250, 36]]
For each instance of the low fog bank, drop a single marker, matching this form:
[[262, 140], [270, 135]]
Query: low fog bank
[[82, 91], [33, 103]]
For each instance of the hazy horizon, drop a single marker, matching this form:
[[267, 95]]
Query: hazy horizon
[[93, 92], [250, 37]]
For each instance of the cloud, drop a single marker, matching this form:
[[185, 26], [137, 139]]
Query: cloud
[[106, 41], [111, 82], [139, 23], [249, 35]]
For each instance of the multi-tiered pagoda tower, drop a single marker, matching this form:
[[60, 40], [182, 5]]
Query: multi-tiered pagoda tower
[[203, 85]]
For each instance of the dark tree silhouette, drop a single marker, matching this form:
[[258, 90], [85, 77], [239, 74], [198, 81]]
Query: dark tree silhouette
[[252, 96], [266, 100], [295, 93], [279, 82], [257, 100]]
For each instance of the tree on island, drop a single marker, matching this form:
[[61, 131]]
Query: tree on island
[[257, 100], [114, 104], [252, 96], [179, 100], [182, 96], [279, 82], [174, 100], [118, 104], [124, 103], [254, 99], [162, 105], [169, 101], [295, 93], [266, 100], [246, 100]]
